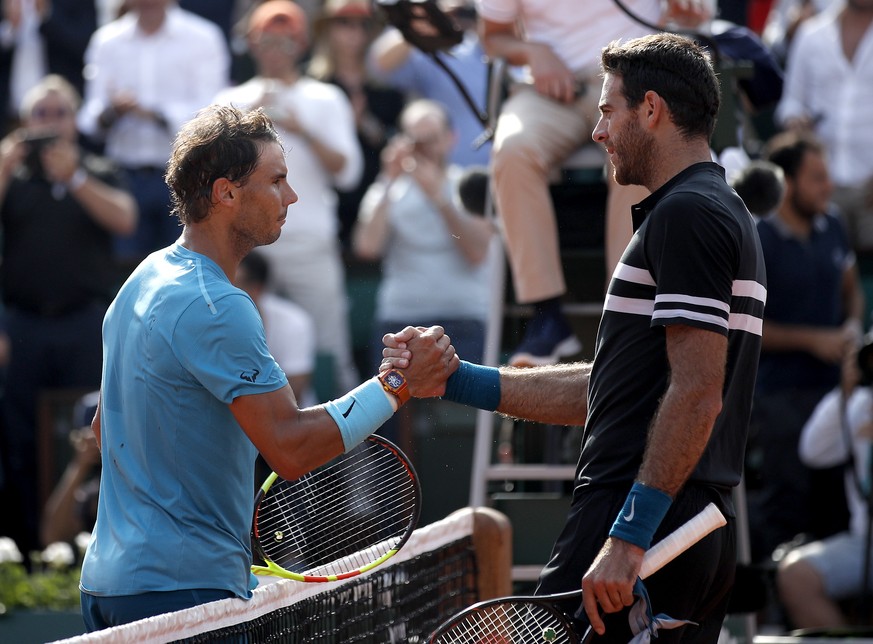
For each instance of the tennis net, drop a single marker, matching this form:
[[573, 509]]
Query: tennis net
[[443, 568]]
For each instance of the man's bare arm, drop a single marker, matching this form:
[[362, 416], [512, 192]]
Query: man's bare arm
[[683, 424], [677, 437], [554, 394]]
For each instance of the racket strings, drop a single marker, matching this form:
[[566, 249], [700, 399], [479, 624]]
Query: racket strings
[[508, 623], [353, 496], [342, 539], [339, 512]]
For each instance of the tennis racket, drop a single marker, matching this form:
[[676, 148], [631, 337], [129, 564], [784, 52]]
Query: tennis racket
[[527, 620], [340, 520]]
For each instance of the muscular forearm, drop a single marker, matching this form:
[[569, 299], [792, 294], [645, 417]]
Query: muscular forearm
[[677, 438], [555, 394], [681, 428]]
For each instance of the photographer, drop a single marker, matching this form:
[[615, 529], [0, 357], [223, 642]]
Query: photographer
[[59, 208], [411, 218], [815, 577]]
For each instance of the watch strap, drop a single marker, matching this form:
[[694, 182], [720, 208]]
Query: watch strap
[[395, 383]]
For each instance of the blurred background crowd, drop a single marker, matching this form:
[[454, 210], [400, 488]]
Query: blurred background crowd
[[389, 149]]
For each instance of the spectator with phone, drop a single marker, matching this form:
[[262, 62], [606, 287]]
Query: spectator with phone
[[59, 208]]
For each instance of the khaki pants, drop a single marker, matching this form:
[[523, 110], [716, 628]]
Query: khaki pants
[[535, 134]]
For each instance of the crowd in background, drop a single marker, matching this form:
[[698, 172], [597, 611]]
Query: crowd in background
[[381, 144]]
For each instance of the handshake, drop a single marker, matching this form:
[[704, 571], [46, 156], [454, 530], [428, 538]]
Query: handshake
[[425, 356]]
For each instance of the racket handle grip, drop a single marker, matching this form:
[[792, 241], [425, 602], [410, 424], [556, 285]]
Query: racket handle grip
[[682, 538]]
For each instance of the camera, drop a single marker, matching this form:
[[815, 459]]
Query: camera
[[36, 142]]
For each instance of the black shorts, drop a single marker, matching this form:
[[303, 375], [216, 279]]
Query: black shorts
[[696, 585]]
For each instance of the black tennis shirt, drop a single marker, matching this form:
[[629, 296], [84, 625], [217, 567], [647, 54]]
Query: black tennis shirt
[[694, 260]]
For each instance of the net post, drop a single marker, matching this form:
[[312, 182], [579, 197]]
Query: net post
[[492, 541]]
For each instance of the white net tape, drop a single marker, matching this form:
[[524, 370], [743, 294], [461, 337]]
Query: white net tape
[[271, 595]]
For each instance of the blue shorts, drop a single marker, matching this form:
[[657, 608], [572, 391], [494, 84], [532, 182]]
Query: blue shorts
[[99, 612]]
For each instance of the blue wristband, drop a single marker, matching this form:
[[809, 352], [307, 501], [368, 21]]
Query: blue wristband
[[641, 515], [360, 412], [474, 385]]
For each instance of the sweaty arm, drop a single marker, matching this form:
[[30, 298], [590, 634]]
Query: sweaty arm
[[295, 441], [677, 438], [552, 394]]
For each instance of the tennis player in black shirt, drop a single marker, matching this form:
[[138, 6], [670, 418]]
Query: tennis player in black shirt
[[666, 402]]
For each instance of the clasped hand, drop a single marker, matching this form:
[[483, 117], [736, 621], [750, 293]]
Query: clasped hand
[[426, 357]]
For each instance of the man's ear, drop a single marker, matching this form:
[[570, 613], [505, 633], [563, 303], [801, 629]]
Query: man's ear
[[223, 191], [655, 108]]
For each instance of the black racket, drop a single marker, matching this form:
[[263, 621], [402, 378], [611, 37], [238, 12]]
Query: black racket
[[528, 620], [341, 519]]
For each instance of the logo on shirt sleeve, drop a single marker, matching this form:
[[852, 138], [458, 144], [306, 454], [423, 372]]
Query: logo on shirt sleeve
[[250, 376]]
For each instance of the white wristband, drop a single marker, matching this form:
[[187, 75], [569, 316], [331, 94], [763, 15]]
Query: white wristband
[[77, 180]]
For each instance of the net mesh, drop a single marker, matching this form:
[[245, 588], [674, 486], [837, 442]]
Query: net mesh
[[430, 579]]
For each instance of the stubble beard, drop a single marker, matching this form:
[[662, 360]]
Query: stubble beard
[[636, 151]]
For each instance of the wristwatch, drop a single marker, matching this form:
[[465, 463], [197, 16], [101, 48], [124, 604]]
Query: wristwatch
[[395, 383]]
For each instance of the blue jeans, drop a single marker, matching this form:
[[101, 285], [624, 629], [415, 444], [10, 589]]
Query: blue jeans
[[105, 612]]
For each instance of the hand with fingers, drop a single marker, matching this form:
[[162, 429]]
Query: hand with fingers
[[609, 582], [424, 355]]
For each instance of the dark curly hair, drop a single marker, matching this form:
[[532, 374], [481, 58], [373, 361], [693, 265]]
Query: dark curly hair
[[220, 142], [677, 69]]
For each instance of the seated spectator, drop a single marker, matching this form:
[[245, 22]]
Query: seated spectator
[[816, 577]]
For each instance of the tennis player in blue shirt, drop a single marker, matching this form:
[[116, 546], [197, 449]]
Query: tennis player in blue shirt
[[190, 392]]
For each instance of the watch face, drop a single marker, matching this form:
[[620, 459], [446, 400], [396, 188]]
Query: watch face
[[394, 380]]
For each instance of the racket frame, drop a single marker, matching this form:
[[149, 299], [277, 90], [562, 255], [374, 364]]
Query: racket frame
[[659, 555], [271, 568]]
